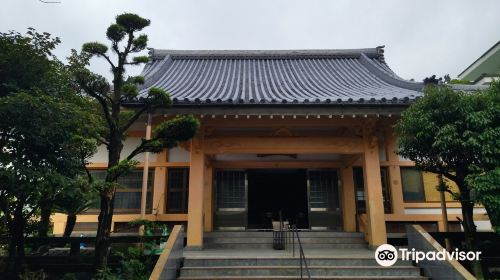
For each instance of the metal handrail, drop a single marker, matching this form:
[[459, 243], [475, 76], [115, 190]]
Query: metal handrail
[[302, 256]]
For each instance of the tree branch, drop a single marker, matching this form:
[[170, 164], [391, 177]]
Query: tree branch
[[450, 176], [134, 118], [101, 140], [109, 61], [102, 102], [141, 148]]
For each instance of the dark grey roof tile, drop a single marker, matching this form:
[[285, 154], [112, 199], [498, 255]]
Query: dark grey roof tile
[[277, 77]]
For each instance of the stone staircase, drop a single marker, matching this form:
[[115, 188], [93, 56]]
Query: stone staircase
[[249, 255], [264, 240]]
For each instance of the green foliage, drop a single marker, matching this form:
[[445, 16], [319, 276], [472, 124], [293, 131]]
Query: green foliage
[[132, 22], [44, 132], [181, 128], [130, 90], [123, 167], [149, 226], [95, 48], [133, 266], [138, 80], [485, 176], [487, 190], [459, 82], [141, 59], [116, 32], [69, 276], [157, 97], [76, 199], [105, 273], [443, 132], [24, 62]]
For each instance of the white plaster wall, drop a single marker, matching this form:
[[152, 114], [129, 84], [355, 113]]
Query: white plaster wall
[[382, 153], [128, 146], [178, 154], [481, 225], [424, 211]]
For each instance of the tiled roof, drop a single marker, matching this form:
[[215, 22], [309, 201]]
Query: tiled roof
[[357, 76]]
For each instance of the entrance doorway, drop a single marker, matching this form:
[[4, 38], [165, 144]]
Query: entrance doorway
[[275, 191]]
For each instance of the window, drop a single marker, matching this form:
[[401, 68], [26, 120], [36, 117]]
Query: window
[[230, 189], [128, 195], [360, 190], [177, 190], [413, 187], [323, 189]]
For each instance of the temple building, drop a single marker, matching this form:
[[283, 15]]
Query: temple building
[[304, 136]]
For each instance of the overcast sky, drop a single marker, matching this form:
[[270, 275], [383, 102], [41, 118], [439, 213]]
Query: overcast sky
[[421, 37]]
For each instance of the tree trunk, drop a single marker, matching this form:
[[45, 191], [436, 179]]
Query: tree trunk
[[468, 225], [103, 231], [70, 224], [17, 242], [45, 211], [107, 204]]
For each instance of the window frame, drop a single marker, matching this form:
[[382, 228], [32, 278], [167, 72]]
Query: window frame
[[421, 180], [151, 181], [184, 190]]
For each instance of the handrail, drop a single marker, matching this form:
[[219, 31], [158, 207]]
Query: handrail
[[169, 261], [302, 256]]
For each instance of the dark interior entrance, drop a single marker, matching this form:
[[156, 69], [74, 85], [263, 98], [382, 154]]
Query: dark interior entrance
[[272, 191]]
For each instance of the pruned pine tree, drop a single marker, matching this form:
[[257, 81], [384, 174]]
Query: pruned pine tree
[[117, 118]]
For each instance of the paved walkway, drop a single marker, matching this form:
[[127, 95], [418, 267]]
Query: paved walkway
[[270, 253]]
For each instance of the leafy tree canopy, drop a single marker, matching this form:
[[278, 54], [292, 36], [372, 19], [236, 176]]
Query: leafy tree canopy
[[45, 128]]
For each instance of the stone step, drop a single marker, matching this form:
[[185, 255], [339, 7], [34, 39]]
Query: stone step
[[211, 245], [216, 271], [312, 277], [269, 240], [209, 262], [270, 234]]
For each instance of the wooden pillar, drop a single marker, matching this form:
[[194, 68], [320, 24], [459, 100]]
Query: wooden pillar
[[377, 234], [196, 190], [145, 173], [209, 200], [348, 200], [394, 174], [159, 190], [160, 184]]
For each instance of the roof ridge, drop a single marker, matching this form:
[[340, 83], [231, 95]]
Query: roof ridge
[[377, 52]]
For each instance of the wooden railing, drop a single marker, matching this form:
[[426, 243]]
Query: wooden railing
[[168, 263]]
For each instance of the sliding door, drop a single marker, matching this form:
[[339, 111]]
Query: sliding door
[[324, 203], [231, 200]]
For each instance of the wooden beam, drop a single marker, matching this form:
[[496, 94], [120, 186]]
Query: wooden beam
[[276, 164], [349, 160], [284, 145], [288, 121], [103, 165]]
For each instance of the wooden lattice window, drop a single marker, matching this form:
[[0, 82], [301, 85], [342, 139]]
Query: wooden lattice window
[[177, 190]]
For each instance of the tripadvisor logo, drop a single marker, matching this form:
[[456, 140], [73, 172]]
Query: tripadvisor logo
[[387, 255]]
